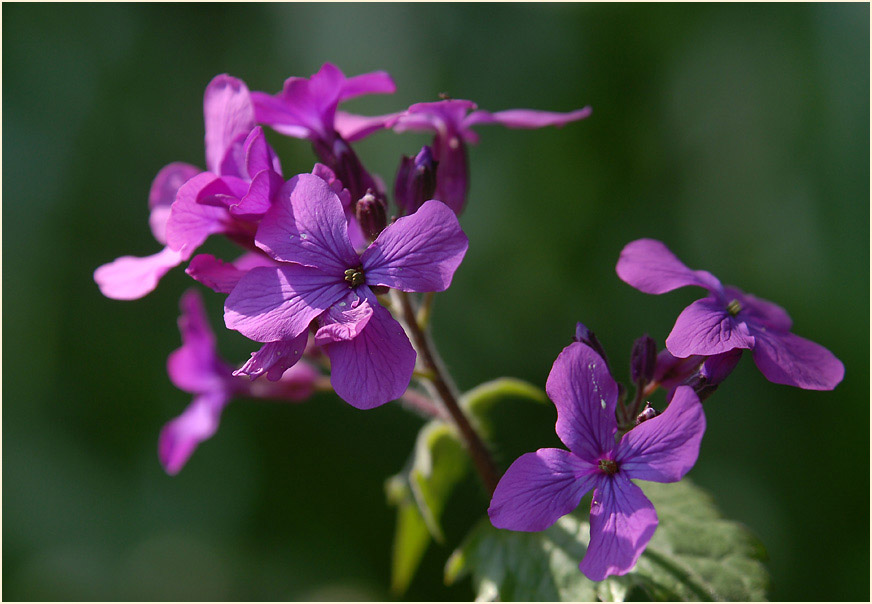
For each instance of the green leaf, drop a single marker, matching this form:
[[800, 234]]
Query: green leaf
[[512, 416], [411, 537], [694, 555]]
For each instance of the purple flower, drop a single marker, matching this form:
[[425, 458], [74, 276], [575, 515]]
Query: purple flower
[[539, 488], [452, 123], [321, 277], [197, 368], [729, 320], [187, 205]]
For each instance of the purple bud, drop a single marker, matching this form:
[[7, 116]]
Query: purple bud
[[371, 215], [341, 158], [643, 359], [416, 180], [586, 336]]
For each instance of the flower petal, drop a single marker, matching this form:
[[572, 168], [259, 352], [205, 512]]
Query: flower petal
[[417, 253], [344, 320], [376, 366], [664, 448], [353, 127], [649, 266], [525, 118], [278, 303], [760, 311], [132, 277], [196, 366], [181, 436], [229, 115], [259, 155], [706, 327], [538, 488], [622, 522], [190, 223], [306, 225], [585, 396], [222, 276], [274, 358], [163, 192], [258, 199], [785, 358], [374, 82]]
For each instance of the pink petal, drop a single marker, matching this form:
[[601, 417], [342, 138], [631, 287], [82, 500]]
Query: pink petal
[[525, 118], [539, 488], [649, 266], [306, 225], [259, 155], [274, 358], [376, 366], [355, 127], [278, 303], [273, 111], [417, 253], [131, 277], [706, 328], [229, 114], [163, 192], [374, 82], [191, 223], [664, 448], [196, 366], [180, 437], [785, 358], [585, 396], [622, 522], [222, 276], [344, 320], [257, 200]]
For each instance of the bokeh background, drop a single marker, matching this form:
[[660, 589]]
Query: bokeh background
[[738, 134]]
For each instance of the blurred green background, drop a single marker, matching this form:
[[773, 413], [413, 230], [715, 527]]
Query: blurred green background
[[737, 134]]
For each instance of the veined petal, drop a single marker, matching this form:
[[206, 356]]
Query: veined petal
[[785, 358], [132, 277], [376, 366], [274, 358], [452, 176], [258, 199], [417, 253], [649, 266], [344, 320], [229, 114], [374, 82], [163, 192], [525, 118], [278, 303], [220, 276], [759, 311], [539, 488], [706, 327], [259, 155], [306, 225], [222, 192], [353, 127], [191, 223], [272, 111], [180, 437], [664, 448], [585, 396], [196, 366], [622, 522]]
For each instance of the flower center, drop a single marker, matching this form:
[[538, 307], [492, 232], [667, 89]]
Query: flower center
[[354, 276], [608, 466], [734, 307]]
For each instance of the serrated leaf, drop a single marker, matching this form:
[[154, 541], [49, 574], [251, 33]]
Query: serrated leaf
[[694, 555], [512, 416]]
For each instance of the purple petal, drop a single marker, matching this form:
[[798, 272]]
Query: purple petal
[[344, 320], [785, 358], [355, 127], [259, 155], [706, 327], [278, 303], [229, 115], [180, 437], [376, 366], [274, 358], [671, 371], [131, 277], [539, 488], [759, 311], [272, 111], [525, 118], [296, 384], [221, 276], [442, 117], [163, 192], [258, 199], [306, 225], [717, 368], [196, 366], [222, 192], [649, 266], [375, 82], [417, 253], [452, 175], [622, 522], [585, 396], [664, 448], [191, 223]]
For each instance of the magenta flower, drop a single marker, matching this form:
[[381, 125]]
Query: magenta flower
[[452, 123], [539, 488], [187, 204], [729, 319], [321, 277], [197, 368]]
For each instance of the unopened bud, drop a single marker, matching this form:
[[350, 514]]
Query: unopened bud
[[343, 161], [586, 336], [371, 215], [643, 359], [416, 180]]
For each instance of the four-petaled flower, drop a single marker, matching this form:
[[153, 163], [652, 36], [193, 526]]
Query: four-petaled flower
[[729, 320], [539, 488], [320, 276]]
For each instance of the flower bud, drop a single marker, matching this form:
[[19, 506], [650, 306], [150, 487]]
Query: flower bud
[[586, 336], [643, 359], [416, 180], [343, 161], [371, 215]]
